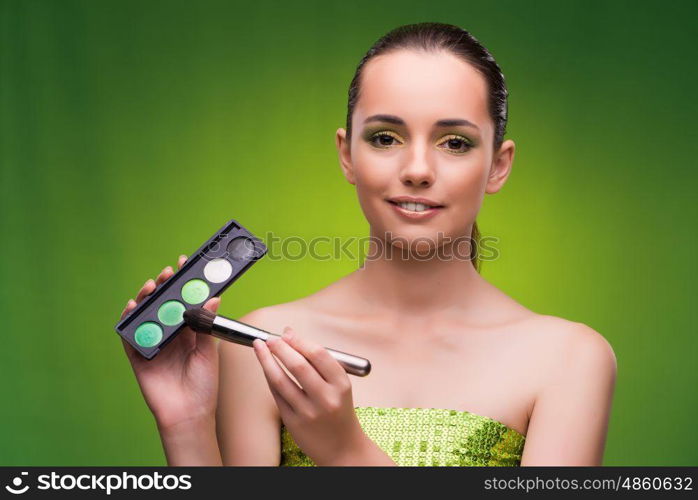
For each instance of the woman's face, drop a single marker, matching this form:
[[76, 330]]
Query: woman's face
[[421, 129]]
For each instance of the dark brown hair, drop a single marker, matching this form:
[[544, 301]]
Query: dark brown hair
[[433, 37]]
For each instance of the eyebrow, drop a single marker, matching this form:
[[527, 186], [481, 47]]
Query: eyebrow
[[449, 122]]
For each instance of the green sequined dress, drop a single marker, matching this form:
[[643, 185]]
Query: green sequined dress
[[428, 437]]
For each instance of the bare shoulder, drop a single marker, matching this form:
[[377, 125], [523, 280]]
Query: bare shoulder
[[569, 345], [573, 380], [545, 337], [579, 338]]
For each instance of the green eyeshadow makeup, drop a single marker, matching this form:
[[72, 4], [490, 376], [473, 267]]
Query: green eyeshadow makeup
[[207, 273], [148, 334], [195, 291], [170, 313]]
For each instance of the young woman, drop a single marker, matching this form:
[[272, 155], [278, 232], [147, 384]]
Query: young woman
[[461, 374]]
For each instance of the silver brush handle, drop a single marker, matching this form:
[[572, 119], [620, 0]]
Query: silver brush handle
[[245, 334]]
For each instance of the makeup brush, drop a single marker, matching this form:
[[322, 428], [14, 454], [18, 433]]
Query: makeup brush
[[204, 321]]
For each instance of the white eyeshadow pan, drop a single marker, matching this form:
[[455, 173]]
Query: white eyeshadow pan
[[218, 270]]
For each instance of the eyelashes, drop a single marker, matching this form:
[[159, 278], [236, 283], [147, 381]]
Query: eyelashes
[[456, 144], [382, 136], [465, 144]]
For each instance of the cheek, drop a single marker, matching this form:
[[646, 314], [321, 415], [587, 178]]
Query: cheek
[[374, 174], [466, 190], [465, 182], [469, 185]]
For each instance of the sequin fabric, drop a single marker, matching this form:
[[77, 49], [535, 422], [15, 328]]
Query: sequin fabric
[[428, 437]]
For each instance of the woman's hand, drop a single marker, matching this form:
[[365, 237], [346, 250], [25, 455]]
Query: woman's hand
[[180, 385], [320, 414]]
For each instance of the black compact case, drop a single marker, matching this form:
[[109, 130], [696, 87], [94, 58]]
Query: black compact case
[[207, 273]]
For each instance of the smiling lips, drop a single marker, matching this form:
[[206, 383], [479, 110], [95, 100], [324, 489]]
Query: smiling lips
[[415, 208]]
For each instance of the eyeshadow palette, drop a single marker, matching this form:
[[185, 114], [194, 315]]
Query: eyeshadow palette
[[207, 273]]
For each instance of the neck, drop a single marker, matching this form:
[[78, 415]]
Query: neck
[[416, 281]]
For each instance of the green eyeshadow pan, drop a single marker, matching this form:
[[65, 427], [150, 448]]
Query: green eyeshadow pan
[[148, 334], [170, 313], [195, 291]]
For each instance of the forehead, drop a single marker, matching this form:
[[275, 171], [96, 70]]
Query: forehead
[[422, 87]]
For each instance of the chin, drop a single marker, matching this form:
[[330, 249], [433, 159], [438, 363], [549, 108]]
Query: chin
[[419, 238], [421, 246]]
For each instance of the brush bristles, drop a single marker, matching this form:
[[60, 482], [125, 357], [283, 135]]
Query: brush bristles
[[199, 319]]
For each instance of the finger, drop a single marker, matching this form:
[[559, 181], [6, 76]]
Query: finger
[[278, 379], [180, 262], [130, 306], [131, 352], [212, 304], [285, 409], [319, 357], [164, 275], [146, 290], [305, 373]]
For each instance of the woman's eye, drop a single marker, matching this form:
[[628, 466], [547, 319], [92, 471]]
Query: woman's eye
[[382, 140], [457, 144]]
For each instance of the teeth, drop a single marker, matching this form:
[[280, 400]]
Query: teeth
[[414, 207]]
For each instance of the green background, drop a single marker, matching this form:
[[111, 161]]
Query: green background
[[130, 131]]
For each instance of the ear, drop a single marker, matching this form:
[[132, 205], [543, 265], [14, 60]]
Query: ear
[[501, 167], [344, 155]]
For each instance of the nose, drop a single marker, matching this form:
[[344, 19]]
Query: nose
[[418, 170]]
